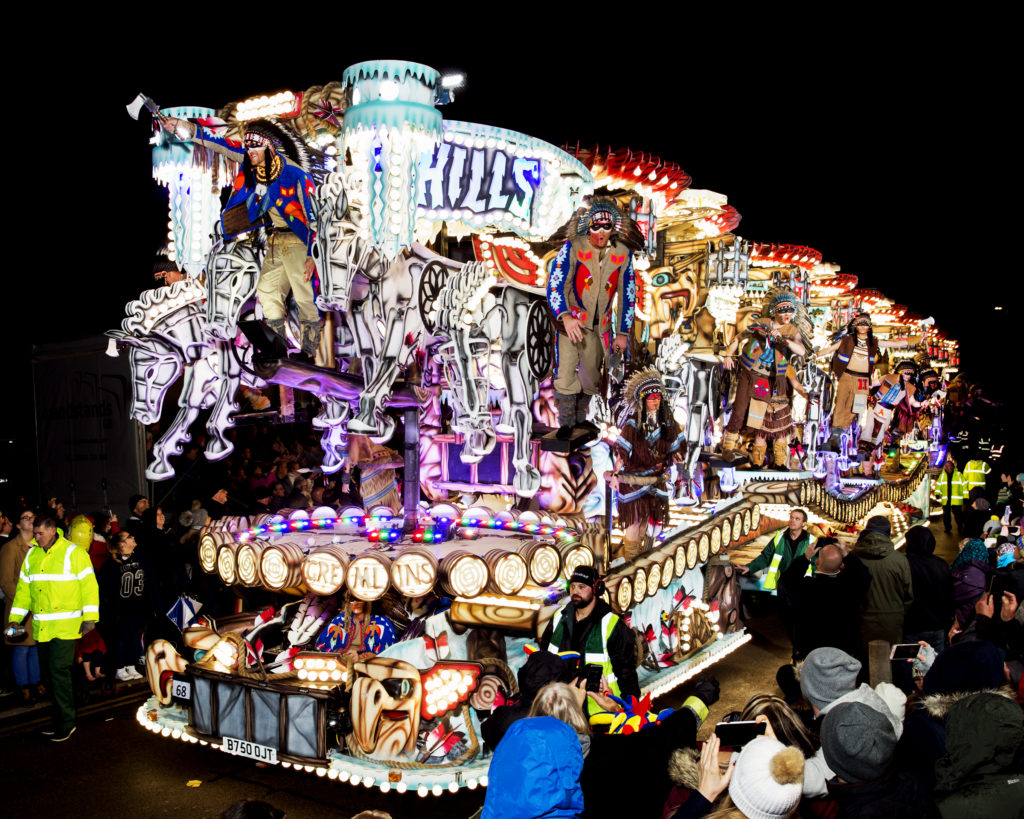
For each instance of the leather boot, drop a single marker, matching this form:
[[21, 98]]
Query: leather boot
[[780, 454], [582, 408], [730, 445], [757, 454], [310, 339], [278, 326], [566, 405]]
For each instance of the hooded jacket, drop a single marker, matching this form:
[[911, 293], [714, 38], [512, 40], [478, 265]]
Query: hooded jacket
[[980, 775], [535, 772], [891, 591]]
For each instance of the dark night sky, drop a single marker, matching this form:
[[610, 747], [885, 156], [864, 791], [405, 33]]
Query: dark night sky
[[885, 145]]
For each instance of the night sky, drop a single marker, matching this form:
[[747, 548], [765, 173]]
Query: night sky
[[883, 143]]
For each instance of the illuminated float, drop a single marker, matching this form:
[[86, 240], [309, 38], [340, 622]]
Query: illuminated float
[[434, 244]]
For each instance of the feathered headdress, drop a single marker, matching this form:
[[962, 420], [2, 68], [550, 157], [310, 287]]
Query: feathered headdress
[[635, 389], [285, 141], [606, 209], [784, 298]]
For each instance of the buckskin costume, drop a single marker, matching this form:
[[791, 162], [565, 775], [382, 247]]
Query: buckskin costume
[[649, 441], [584, 283], [766, 378]]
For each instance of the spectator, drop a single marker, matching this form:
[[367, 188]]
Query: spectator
[[980, 772], [963, 669], [826, 604], [977, 515], [277, 496], [540, 668], [6, 527], [931, 614], [125, 604], [137, 504], [858, 744], [828, 677], [1003, 628], [535, 772], [24, 654], [890, 593], [765, 782], [970, 571]]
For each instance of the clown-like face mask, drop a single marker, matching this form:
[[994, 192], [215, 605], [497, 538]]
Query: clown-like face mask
[[601, 226], [386, 698]]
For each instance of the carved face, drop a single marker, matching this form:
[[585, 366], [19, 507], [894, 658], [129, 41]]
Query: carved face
[[162, 663], [386, 698]]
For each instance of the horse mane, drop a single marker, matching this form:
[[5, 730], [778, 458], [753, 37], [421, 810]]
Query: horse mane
[[145, 312]]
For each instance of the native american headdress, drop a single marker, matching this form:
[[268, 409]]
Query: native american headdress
[[635, 389], [270, 132], [782, 298], [600, 209]]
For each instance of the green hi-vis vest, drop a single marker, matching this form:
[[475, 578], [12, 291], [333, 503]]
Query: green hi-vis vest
[[975, 472], [596, 649], [59, 587], [957, 495], [771, 580]]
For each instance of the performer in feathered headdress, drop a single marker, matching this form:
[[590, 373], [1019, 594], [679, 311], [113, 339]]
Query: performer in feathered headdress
[[648, 443], [591, 269], [272, 191], [766, 377]]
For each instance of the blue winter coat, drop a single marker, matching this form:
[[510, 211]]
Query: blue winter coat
[[535, 772]]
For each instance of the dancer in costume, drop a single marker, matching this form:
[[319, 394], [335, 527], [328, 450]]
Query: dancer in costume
[[853, 359], [766, 377], [272, 191], [591, 269], [649, 442]]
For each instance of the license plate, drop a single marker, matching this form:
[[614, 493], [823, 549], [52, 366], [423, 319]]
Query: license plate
[[181, 690], [251, 750]]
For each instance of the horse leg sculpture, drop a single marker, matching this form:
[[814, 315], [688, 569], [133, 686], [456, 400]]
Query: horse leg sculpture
[[198, 391], [219, 446], [332, 421], [520, 387]]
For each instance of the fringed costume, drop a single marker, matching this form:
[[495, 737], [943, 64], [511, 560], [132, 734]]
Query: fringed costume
[[648, 441]]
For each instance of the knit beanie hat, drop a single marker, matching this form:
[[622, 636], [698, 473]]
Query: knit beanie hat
[[768, 779], [967, 666], [858, 742], [879, 523], [826, 674], [133, 500]]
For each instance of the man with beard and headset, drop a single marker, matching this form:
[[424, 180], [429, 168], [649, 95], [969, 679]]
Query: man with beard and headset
[[588, 625]]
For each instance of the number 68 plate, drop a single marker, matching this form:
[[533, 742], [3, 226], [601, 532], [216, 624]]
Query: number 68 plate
[[252, 750]]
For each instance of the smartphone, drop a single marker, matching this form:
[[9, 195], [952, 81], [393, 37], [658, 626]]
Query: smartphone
[[593, 675], [905, 651], [738, 734]]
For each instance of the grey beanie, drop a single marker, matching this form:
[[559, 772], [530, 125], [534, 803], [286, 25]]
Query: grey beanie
[[827, 674], [879, 523], [858, 742]]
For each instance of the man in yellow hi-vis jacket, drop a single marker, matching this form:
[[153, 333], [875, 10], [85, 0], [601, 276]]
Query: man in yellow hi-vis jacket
[[57, 584]]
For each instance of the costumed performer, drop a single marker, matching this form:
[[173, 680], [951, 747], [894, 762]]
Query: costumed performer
[[591, 269], [763, 389], [649, 441], [356, 633], [853, 359], [272, 191]]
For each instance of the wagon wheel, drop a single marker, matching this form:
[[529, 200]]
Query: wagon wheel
[[432, 279], [540, 338]]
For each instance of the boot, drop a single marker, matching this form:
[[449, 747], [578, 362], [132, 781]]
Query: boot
[[566, 405], [278, 326], [310, 340], [780, 454], [582, 408], [757, 454], [730, 445]]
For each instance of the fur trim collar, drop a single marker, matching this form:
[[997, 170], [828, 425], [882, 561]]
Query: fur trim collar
[[938, 705], [684, 768]]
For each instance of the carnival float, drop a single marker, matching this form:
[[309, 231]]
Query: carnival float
[[729, 380]]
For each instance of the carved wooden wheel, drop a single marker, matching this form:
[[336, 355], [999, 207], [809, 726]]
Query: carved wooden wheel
[[540, 338], [431, 281]]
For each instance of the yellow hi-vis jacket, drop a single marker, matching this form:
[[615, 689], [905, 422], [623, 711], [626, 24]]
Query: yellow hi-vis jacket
[[975, 472], [957, 495], [59, 587], [775, 555]]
